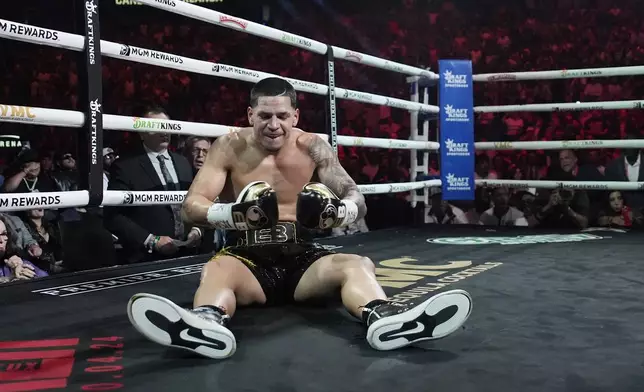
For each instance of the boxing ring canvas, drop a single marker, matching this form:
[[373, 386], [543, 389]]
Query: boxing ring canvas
[[553, 311]]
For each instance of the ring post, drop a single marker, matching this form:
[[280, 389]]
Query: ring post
[[331, 117], [415, 135], [419, 88], [91, 102]]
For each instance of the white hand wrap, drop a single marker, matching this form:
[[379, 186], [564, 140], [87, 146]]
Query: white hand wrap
[[350, 212], [220, 216]]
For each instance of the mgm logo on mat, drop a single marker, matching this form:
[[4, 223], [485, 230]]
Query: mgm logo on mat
[[420, 279]]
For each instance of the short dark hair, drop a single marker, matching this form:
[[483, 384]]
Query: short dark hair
[[273, 87], [500, 189], [144, 109]]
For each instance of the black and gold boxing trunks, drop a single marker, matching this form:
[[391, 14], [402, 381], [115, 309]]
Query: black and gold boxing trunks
[[278, 257]]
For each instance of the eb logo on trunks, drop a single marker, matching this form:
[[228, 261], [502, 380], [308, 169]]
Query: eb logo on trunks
[[280, 233]]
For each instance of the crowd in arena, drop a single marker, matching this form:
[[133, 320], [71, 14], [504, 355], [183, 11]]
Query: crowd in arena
[[497, 36]]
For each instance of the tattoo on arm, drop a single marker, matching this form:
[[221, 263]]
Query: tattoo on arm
[[333, 175]]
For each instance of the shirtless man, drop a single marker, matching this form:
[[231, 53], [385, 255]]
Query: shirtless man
[[269, 207]]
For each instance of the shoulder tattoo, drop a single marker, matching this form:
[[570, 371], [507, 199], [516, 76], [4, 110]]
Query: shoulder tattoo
[[321, 152]]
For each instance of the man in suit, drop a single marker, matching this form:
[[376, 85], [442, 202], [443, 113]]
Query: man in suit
[[570, 168], [568, 163], [628, 168], [152, 232]]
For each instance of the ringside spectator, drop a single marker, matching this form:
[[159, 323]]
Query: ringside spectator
[[502, 214], [109, 156], [49, 240], [20, 235], [157, 231], [628, 167], [25, 175], [564, 208], [444, 213], [617, 213], [13, 266], [65, 173], [196, 151]]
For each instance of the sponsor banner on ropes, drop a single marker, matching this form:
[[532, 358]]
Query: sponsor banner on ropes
[[515, 240], [457, 130]]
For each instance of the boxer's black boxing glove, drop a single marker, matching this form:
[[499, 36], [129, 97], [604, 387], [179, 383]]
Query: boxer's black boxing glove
[[319, 208], [256, 208]]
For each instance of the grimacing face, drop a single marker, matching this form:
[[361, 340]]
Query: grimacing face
[[272, 120]]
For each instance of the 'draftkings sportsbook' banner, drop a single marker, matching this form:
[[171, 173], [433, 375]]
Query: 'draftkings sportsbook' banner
[[457, 129]]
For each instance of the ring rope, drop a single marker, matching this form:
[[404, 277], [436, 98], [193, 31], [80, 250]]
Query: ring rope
[[560, 145], [135, 54], [561, 107], [231, 22], [580, 185], [70, 199], [560, 74], [74, 119]]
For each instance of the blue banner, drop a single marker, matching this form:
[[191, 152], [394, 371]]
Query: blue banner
[[457, 129]]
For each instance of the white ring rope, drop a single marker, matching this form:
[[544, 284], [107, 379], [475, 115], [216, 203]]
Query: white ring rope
[[581, 185], [560, 74], [231, 22], [70, 199], [561, 107], [560, 145], [49, 200], [60, 39], [73, 119]]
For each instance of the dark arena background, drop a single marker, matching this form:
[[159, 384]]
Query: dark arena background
[[548, 246]]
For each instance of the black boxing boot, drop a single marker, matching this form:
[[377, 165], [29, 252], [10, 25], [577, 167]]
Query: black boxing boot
[[201, 330], [391, 325]]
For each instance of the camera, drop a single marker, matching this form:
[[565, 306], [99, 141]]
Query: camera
[[566, 195]]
